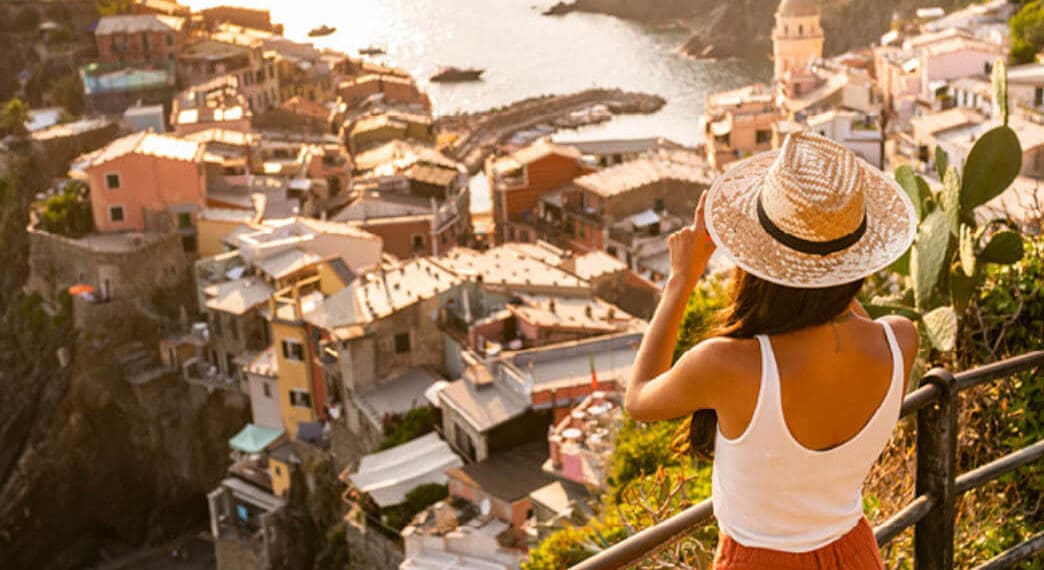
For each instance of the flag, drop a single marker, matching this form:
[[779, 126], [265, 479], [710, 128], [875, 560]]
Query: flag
[[594, 375]]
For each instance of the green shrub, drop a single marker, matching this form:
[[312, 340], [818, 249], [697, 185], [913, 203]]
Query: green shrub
[[68, 213], [401, 428], [1027, 32], [417, 500]]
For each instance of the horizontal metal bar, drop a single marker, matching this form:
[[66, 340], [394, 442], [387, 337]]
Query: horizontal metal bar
[[635, 547], [1000, 466], [1015, 554], [919, 398], [995, 370], [910, 515]]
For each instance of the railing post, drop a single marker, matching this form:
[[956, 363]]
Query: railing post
[[936, 475]]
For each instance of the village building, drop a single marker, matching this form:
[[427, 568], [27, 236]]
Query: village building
[[110, 89], [582, 442], [739, 123], [145, 182], [797, 38], [234, 54], [482, 525], [215, 104], [391, 88], [252, 18], [519, 180], [413, 196], [161, 8], [140, 40], [625, 209], [370, 131]]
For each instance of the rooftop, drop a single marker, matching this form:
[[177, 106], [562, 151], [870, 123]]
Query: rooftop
[[590, 315], [132, 24], [532, 153], [401, 394], [798, 8], [594, 264], [388, 475], [684, 166], [945, 120], [510, 475], [486, 407], [621, 146], [145, 143], [401, 153], [509, 267], [70, 129], [212, 50], [569, 364], [254, 438], [237, 296]]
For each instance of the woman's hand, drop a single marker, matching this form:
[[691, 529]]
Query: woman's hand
[[690, 249]]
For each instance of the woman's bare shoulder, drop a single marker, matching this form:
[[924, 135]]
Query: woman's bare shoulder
[[723, 356]]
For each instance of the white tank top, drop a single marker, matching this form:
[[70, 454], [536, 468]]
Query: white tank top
[[772, 492]]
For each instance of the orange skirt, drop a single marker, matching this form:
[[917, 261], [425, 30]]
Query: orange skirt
[[856, 550]]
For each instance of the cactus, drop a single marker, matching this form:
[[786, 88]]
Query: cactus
[[949, 256], [1000, 89]]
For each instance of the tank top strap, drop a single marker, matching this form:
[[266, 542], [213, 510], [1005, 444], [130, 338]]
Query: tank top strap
[[898, 366], [769, 399]]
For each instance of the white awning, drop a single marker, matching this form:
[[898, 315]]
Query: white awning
[[388, 475], [646, 218]]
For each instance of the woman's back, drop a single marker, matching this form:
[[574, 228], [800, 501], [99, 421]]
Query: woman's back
[[791, 481]]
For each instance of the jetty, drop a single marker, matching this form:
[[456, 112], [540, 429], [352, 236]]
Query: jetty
[[478, 134]]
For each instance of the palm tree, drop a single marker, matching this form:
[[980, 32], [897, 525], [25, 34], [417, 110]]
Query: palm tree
[[13, 118]]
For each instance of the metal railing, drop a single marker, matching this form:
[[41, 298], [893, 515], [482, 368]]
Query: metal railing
[[937, 485]]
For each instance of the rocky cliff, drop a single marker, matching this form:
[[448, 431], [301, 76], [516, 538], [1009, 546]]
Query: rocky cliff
[[89, 462], [742, 28]]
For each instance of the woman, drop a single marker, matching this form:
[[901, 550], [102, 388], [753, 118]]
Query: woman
[[805, 388]]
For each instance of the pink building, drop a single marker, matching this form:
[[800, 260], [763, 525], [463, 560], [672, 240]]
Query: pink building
[[146, 182]]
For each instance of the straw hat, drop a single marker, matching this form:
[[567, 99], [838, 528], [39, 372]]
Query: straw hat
[[811, 214]]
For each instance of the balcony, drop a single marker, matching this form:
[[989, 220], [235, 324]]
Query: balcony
[[253, 470]]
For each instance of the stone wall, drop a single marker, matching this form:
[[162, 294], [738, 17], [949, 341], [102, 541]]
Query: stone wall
[[130, 270]]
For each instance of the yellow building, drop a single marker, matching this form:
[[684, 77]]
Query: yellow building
[[301, 383], [797, 39]]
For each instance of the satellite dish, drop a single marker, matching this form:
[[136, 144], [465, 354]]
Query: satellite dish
[[484, 507]]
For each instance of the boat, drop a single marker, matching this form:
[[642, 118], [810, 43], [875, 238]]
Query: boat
[[372, 50], [454, 74], [321, 31]]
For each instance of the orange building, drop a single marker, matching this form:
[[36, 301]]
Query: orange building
[[517, 182], [146, 182]]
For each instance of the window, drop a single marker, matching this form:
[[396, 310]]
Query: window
[[170, 40], [659, 205], [402, 343], [233, 328], [184, 220], [215, 323], [266, 388], [1038, 96], [418, 242], [145, 42], [116, 214], [801, 29], [763, 136], [300, 398], [112, 181], [188, 243], [293, 350]]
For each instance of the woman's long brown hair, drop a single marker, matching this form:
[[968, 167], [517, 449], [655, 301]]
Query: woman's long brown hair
[[758, 307]]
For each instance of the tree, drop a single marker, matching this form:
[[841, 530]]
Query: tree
[[1027, 32], [13, 118], [67, 92], [68, 213]]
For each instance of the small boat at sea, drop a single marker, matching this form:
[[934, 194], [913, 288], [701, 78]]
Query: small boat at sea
[[456, 74], [372, 50], [321, 31]]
